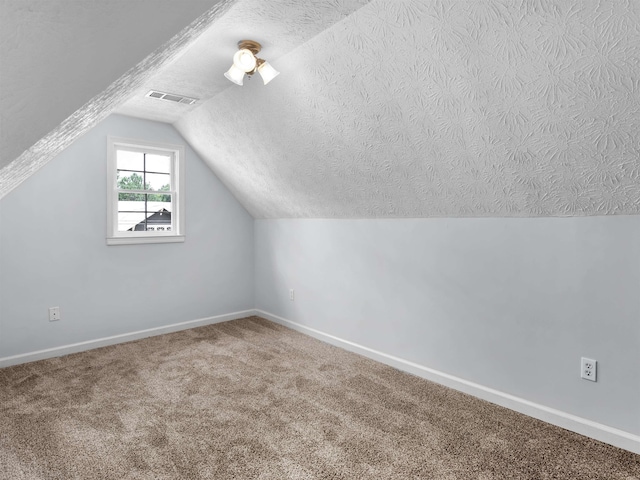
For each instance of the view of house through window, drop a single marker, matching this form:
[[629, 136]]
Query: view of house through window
[[145, 192], [140, 172]]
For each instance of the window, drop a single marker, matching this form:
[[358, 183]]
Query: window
[[145, 192]]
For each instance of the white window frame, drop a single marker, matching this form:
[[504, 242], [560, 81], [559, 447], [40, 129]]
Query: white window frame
[[176, 152]]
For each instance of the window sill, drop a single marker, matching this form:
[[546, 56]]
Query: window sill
[[141, 240]]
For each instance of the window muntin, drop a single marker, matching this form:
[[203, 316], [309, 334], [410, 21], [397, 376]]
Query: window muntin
[[145, 190]]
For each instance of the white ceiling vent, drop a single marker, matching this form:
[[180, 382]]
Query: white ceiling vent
[[172, 97]]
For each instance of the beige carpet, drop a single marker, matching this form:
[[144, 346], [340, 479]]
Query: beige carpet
[[249, 399]]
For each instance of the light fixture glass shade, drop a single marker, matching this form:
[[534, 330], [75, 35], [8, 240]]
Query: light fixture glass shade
[[244, 60], [235, 75], [267, 72]]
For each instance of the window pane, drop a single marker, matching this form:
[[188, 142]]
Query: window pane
[[131, 180], [158, 181], [158, 163], [131, 212], [159, 213], [131, 197], [130, 160], [139, 215]]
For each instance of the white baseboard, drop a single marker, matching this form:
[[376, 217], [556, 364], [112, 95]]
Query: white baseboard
[[597, 431], [125, 337]]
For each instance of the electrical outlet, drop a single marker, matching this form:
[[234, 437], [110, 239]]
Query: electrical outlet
[[291, 295], [54, 314], [588, 369]]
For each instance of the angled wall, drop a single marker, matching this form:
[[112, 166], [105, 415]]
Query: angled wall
[[508, 304], [53, 252]]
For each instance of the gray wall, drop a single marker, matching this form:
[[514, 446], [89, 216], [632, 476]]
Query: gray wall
[[53, 252], [510, 303]]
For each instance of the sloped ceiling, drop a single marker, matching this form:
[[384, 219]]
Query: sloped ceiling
[[420, 109], [65, 64], [279, 25], [417, 109]]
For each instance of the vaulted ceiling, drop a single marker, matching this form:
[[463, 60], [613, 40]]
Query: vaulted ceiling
[[390, 109], [66, 64]]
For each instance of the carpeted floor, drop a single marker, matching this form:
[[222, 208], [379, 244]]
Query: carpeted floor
[[250, 399]]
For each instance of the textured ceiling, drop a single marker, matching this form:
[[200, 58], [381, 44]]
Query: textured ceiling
[[65, 64], [407, 108], [419, 109], [279, 25]]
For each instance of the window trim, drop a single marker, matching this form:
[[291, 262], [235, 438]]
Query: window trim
[[177, 153]]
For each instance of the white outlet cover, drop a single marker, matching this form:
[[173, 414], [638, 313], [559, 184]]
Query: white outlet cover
[[588, 369], [54, 314]]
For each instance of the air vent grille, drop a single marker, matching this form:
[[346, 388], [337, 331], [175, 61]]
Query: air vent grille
[[171, 97]]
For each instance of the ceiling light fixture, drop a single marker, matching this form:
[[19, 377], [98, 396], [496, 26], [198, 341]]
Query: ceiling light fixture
[[246, 61]]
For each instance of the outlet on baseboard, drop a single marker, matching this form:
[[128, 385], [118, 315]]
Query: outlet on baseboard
[[588, 369], [54, 314]]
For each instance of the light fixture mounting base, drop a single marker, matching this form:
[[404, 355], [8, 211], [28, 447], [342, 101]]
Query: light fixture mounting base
[[251, 45]]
